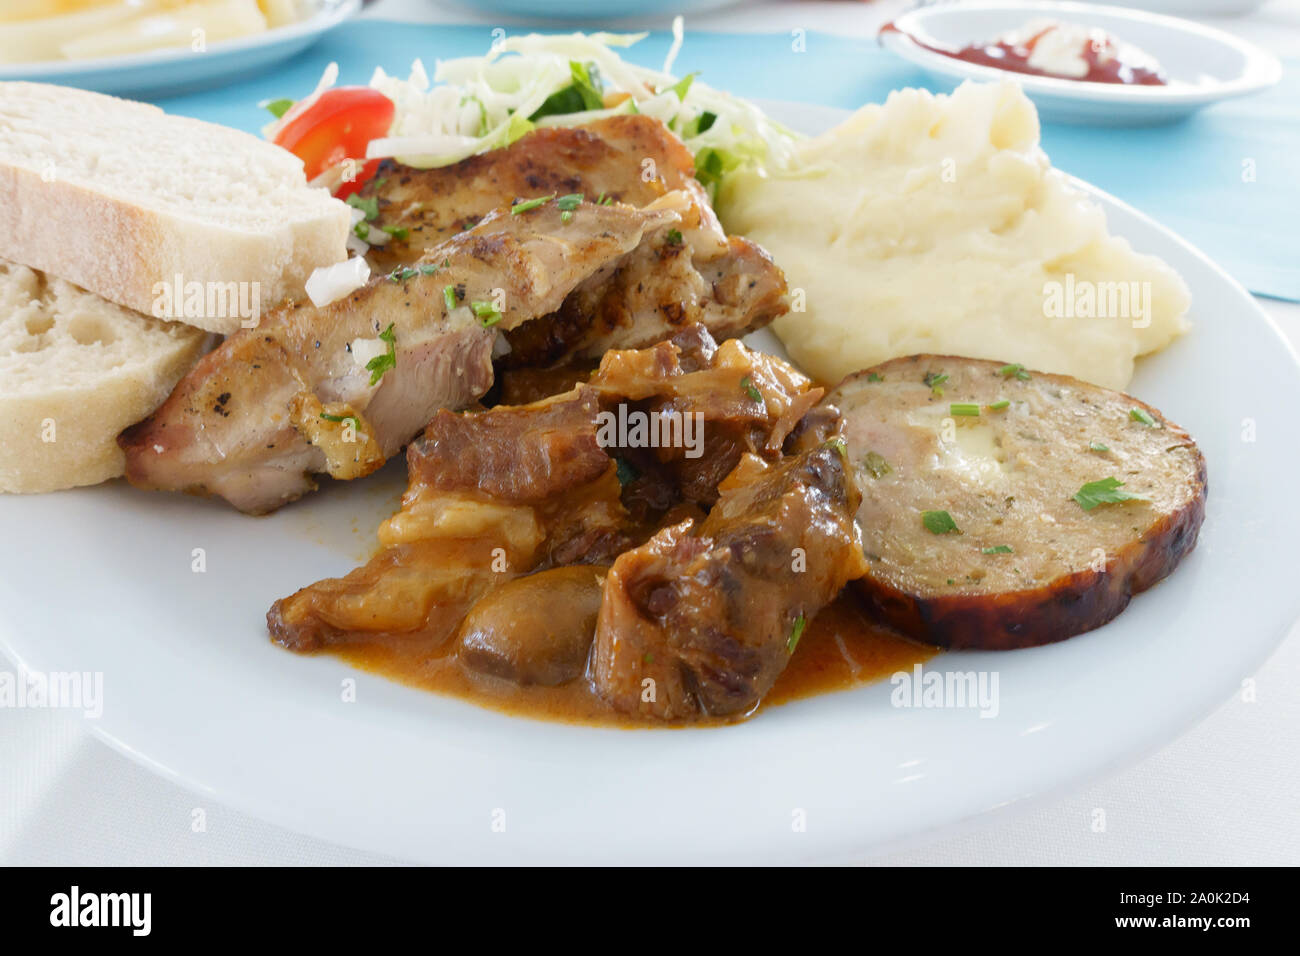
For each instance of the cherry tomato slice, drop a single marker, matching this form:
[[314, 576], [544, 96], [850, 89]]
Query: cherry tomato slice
[[364, 175], [335, 126]]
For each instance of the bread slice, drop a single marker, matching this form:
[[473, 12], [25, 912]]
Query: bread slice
[[1002, 452], [120, 198], [74, 371]]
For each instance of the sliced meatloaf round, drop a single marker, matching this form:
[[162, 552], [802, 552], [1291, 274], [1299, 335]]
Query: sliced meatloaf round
[[1006, 508]]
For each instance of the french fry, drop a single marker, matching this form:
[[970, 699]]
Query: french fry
[[280, 13], [31, 41], [216, 19], [37, 30], [14, 11]]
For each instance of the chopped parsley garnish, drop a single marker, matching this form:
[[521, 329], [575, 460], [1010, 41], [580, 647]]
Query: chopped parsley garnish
[[674, 237], [530, 204], [278, 108], [1098, 447], [449, 296], [876, 465], [1000, 404], [626, 473], [838, 444], [967, 409], [567, 204], [487, 313], [682, 86], [935, 380], [603, 200], [795, 633], [875, 377], [397, 232], [1143, 416], [939, 522], [356, 422], [997, 549], [401, 274], [749, 389], [427, 268], [1015, 369], [1107, 491], [380, 364], [361, 230], [368, 206]]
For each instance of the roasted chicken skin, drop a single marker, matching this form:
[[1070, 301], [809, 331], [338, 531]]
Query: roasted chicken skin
[[696, 275], [271, 406], [628, 159]]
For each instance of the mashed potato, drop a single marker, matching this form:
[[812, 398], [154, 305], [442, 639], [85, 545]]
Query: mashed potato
[[936, 224]]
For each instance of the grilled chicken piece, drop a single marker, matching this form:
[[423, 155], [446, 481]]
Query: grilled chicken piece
[[701, 620], [664, 286], [272, 405], [603, 159], [493, 495], [1027, 563], [696, 275]]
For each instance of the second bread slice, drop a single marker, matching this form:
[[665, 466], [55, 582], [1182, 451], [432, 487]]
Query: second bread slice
[[74, 371]]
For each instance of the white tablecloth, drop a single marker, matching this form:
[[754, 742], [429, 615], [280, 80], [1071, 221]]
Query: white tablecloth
[[1226, 793]]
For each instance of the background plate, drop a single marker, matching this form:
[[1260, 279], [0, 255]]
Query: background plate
[[100, 579], [592, 11], [170, 72]]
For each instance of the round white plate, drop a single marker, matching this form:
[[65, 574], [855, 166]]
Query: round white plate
[[102, 579], [1198, 8], [173, 71], [1203, 65]]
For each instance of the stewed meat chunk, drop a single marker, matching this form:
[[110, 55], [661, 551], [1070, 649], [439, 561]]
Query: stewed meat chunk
[[701, 619]]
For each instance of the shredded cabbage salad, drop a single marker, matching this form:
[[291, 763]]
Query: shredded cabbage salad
[[475, 104]]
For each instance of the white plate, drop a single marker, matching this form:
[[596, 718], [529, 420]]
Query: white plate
[[173, 71], [100, 579], [1203, 65]]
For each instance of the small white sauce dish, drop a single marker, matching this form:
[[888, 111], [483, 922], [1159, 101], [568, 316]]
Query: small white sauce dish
[[1202, 65]]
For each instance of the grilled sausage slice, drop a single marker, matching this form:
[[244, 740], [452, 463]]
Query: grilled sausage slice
[[1026, 563]]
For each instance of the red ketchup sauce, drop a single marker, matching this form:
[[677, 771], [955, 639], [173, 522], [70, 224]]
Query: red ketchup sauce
[[1015, 59]]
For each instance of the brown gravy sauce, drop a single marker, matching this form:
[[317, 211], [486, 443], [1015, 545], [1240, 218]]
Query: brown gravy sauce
[[841, 649]]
